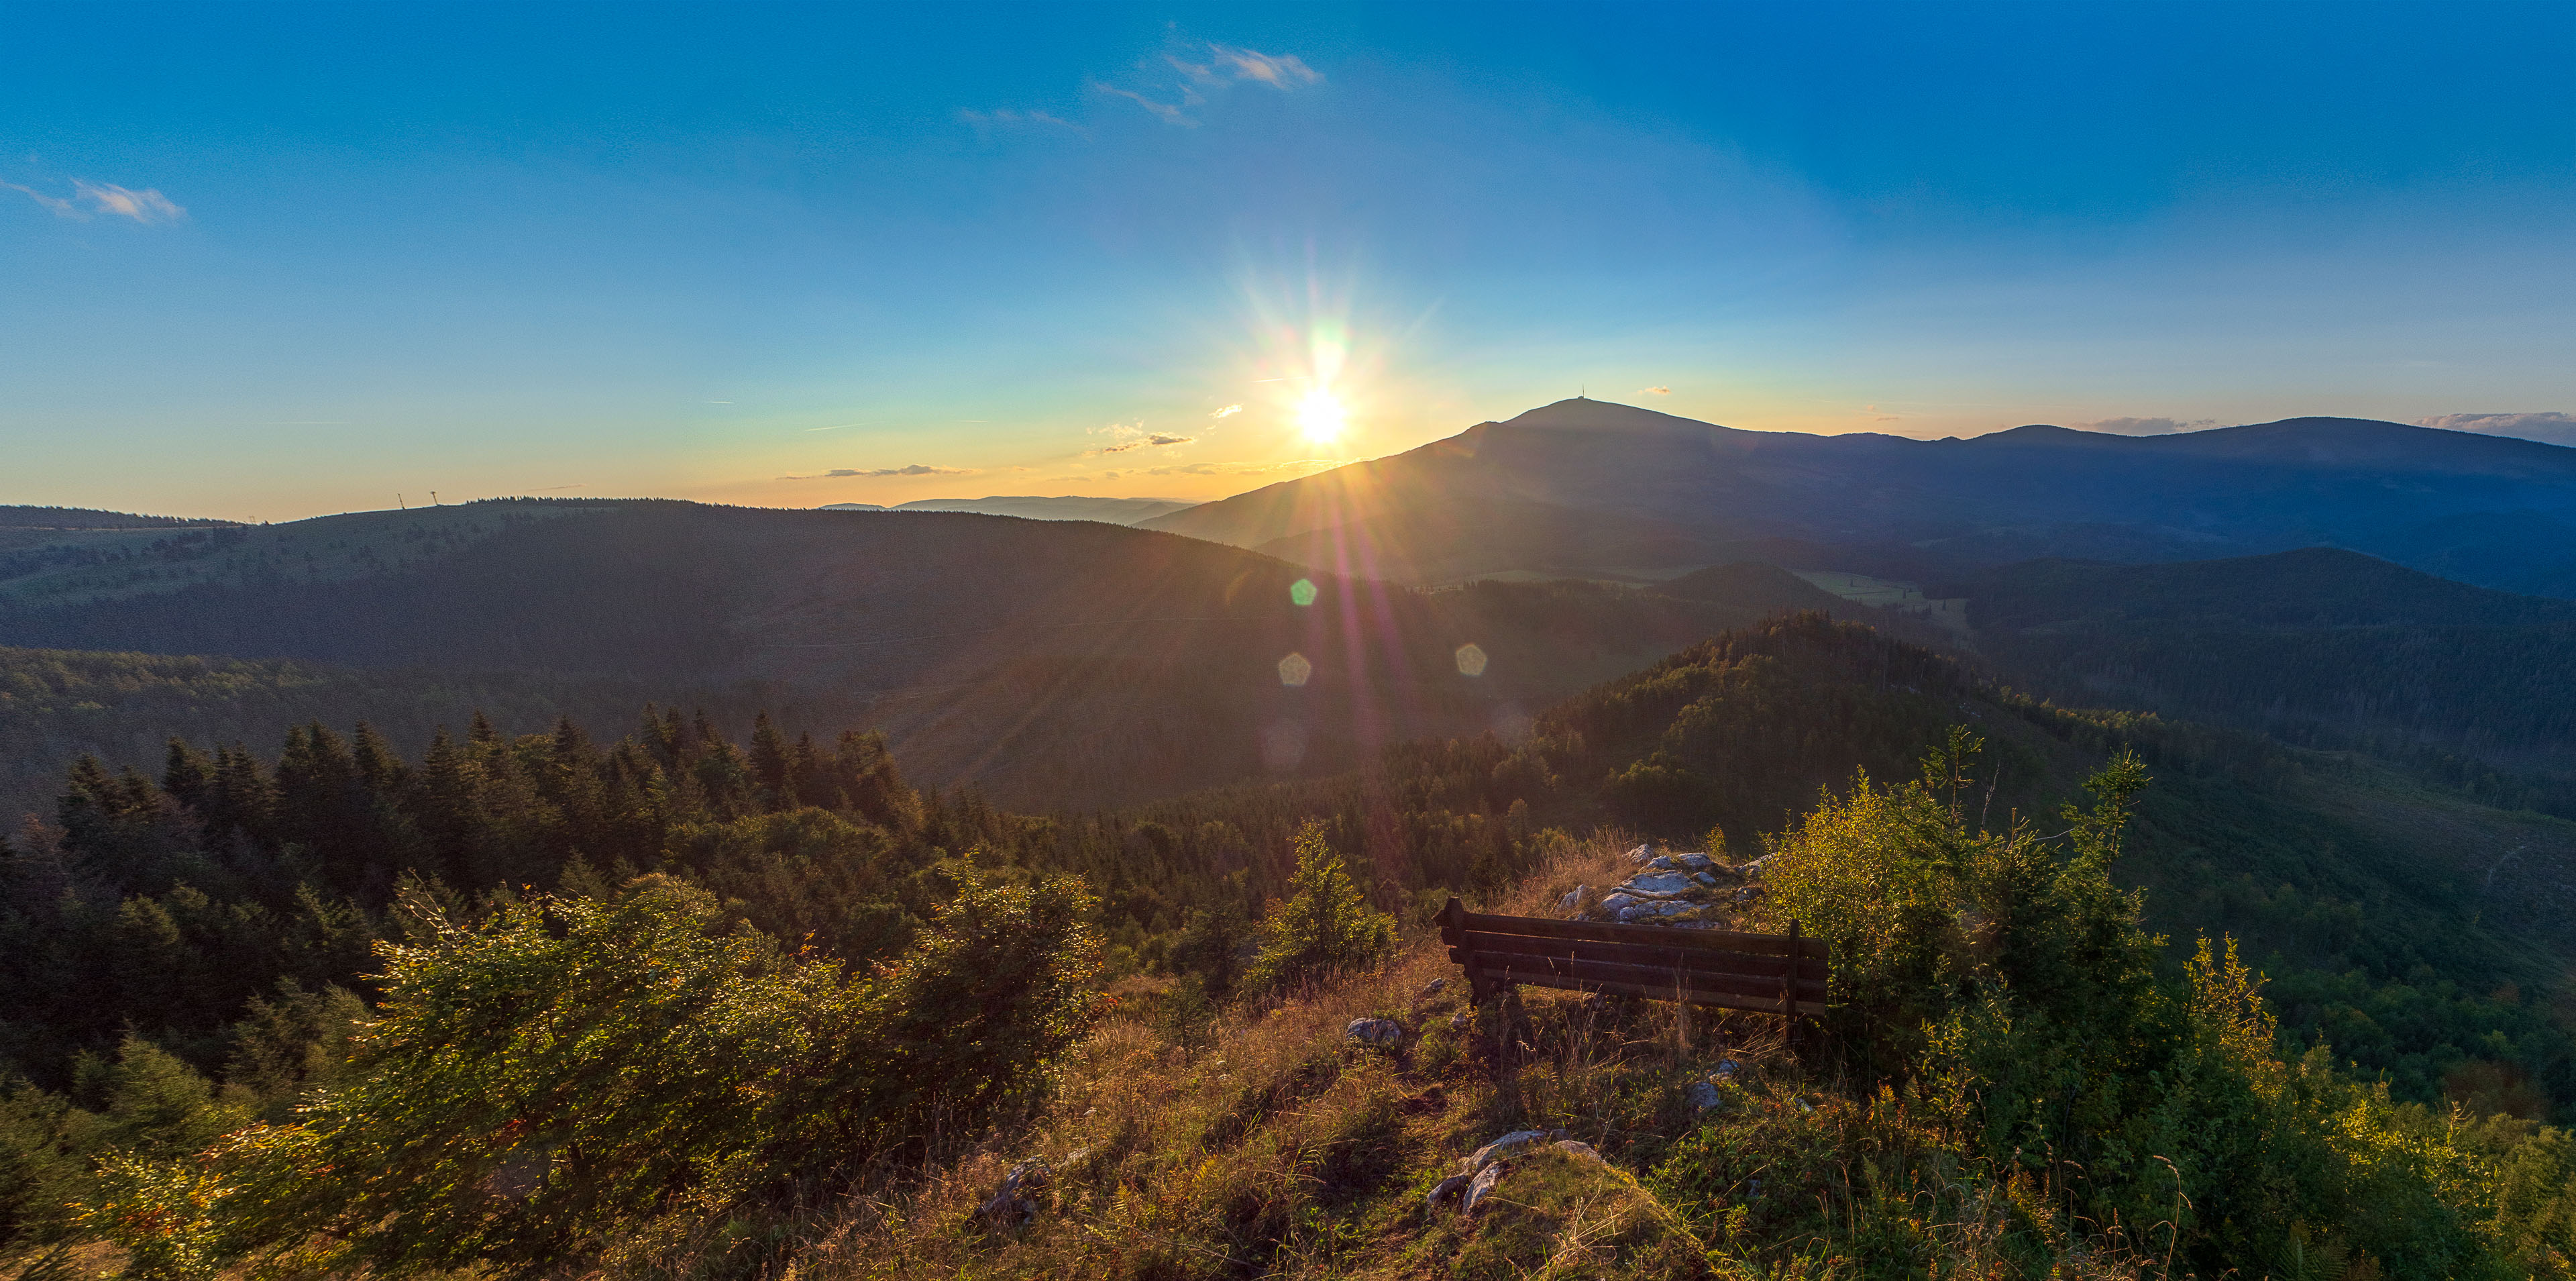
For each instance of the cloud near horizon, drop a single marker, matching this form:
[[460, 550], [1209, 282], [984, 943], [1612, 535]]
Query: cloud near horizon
[[2549, 428], [147, 206], [1155, 441], [1654, 391], [2147, 426], [916, 469]]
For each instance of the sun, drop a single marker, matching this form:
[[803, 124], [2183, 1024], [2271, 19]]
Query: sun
[[1321, 416]]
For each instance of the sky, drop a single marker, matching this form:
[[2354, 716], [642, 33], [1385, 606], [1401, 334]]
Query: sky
[[266, 261]]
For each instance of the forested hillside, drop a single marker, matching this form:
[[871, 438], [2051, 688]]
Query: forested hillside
[[2320, 646], [187, 950]]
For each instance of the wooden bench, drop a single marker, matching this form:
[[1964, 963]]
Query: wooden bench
[[1783, 974]]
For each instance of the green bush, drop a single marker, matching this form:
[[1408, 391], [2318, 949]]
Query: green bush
[[1325, 927]]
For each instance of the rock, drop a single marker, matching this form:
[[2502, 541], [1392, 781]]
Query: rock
[[1749, 894], [1080, 1158], [1431, 989], [1578, 1149], [1705, 879], [1754, 870], [1702, 1095], [1647, 912], [1502, 1149], [1573, 898], [1641, 853], [1442, 1191], [1483, 1183], [1726, 1069], [1612, 905], [1662, 863], [1380, 1033], [1693, 862], [1008, 1210], [1659, 885], [1458, 1021]]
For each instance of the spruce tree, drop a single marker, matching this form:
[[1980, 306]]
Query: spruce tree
[[1326, 926]]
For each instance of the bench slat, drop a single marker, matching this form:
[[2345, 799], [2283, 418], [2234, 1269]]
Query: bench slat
[[1709, 960], [1656, 935], [1514, 967], [1658, 991]]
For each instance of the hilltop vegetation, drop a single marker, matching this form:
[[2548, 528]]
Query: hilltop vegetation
[[67, 518]]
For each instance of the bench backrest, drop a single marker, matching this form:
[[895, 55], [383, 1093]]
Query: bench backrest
[[1781, 974]]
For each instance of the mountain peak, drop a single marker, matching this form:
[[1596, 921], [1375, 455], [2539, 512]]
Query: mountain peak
[[1583, 414]]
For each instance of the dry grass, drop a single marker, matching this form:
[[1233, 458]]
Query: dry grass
[[1279, 1150]]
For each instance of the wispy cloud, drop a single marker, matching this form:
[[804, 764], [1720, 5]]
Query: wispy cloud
[[90, 199], [987, 123], [1655, 391], [1131, 436], [916, 469], [1224, 66], [2547, 427], [2147, 426], [1225, 62], [1171, 113], [1227, 412], [1155, 441]]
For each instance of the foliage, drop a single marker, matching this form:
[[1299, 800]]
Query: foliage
[[570, 1067], [1326, 927]]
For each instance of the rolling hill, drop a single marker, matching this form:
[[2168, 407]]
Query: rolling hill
[[1585, 484], [1049, 662], [2319, 646], [1114, 511]]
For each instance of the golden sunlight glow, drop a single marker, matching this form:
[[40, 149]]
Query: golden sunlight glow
[[1321, 416]]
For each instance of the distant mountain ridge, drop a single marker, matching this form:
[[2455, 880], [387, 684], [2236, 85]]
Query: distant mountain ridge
[[23, 517], [1112, 511], [1584, 483], [1039, 659]]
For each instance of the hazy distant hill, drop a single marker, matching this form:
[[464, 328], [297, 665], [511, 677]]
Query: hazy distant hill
[[1112, 511], [1050, 660], [1585, 483], [85, 518], [2318, 645]]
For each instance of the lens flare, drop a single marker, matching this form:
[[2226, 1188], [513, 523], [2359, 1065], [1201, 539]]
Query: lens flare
[[1321, 416]]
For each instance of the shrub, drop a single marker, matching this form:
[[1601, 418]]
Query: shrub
[[571, 1066], [1325, 927]]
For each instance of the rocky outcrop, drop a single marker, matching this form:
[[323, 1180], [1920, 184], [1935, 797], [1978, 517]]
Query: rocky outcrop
[[1383, 1034], [1684, 889]]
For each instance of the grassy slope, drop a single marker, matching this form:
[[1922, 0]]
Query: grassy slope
[[1277, 1150]]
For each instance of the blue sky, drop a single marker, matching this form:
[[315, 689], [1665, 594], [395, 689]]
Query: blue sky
[[273, 260]]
